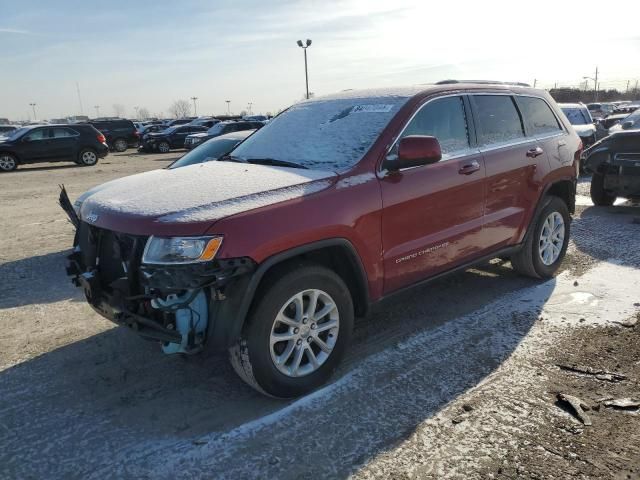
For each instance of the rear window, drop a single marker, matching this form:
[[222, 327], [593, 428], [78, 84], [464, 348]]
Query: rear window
[[577, 116], [498, 119], [538, 116]]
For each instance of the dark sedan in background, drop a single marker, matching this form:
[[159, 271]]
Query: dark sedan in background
[[170, 138], [221, 128]]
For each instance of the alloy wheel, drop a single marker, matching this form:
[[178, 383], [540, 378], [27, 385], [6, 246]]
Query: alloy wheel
[[304, 333], [7, 163], [120, 145], [551, 238], [88, 157], [164, 147]]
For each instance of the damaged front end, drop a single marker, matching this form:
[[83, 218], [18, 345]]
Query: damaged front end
[[168, 303]]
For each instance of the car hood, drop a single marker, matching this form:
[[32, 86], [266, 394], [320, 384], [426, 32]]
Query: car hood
[[584, 130], [165, 201]]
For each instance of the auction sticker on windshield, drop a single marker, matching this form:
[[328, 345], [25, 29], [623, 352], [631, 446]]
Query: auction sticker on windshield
[[378, 108]]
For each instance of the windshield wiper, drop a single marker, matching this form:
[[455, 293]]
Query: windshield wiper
[[231, 158], [274, 162]]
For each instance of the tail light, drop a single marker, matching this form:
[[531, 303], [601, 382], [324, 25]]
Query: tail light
[[136, 133], [101, 138]]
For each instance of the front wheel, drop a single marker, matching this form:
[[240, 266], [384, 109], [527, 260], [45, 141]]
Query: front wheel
[[164, 147], [544, 249], [296, 332], [8, 162]]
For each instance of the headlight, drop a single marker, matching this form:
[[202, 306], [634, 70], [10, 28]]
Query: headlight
[[177, 250]]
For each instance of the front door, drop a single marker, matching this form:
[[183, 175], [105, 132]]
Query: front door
[[35, 145], [432, 215]]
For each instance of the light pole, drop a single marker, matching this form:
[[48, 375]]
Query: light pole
[[249, 108], [33, 107], [97, 107], [195, 111], [137, 114], [306, 72], [595, 85], [228, 107]]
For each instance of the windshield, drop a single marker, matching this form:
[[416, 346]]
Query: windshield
[[211, 150], [324, 134], [576, 116], [15, 133]]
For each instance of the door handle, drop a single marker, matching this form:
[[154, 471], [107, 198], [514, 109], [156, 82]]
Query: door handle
[[469, 168], [534, 152]]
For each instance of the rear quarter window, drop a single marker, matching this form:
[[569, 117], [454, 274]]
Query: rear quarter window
[[498, 119], [538, 116]]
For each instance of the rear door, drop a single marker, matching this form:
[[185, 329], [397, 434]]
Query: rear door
[[432, 215], [64, 143], [511, 161]]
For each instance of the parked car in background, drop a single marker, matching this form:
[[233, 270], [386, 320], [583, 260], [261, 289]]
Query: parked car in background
[[147, 129], [615, 164], [169, 138], [612, 120], [120, 133], [339, 202], [205, 122], [4, 121], [627, 108], [601, 110], [220, 128], [580, 118], [180, 121], [81, 143], [256, 118], [5, 129], [212, 149], [630, 122]]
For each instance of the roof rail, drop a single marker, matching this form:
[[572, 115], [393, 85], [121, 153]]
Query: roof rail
[[483, 82]]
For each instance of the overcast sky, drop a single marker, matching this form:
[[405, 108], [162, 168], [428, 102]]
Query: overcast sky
[[148, 53]]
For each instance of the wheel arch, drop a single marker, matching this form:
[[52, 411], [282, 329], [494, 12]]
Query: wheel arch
[[13, 154], [339, 254]]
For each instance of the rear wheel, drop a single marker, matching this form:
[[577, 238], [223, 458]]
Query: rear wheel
[[296, 332], [545, 247], [8, 162], [164, 147], [599, 196], [87, 157], [120, 145]]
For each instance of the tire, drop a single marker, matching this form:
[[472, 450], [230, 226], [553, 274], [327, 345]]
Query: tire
[[254, 357], [552, 219], [87, 157], [120, 145], [8, 162], [599, 196], [164, 147]]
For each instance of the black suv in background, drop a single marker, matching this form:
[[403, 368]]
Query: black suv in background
[[120, 133], [172, 137], [80, 143]]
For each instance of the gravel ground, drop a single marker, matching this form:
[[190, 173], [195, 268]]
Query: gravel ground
[[432, 387]]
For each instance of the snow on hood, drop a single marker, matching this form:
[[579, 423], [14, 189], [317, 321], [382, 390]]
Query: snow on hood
[[203, 192]]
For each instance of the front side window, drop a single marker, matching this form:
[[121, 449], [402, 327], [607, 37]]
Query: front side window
[[39, 134], [498, 120], [443, 118], [538, 116]]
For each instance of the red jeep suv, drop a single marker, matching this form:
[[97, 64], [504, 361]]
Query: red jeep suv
[[271, 251]]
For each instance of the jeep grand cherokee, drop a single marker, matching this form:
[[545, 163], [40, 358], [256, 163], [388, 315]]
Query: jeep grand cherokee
[[337, 203]]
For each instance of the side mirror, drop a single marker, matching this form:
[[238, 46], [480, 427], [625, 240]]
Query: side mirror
[[415, 151], [627, 125]]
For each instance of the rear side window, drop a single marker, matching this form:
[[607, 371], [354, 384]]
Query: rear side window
[[538, 116], [63, 132], [443, 118], [498, 119]]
